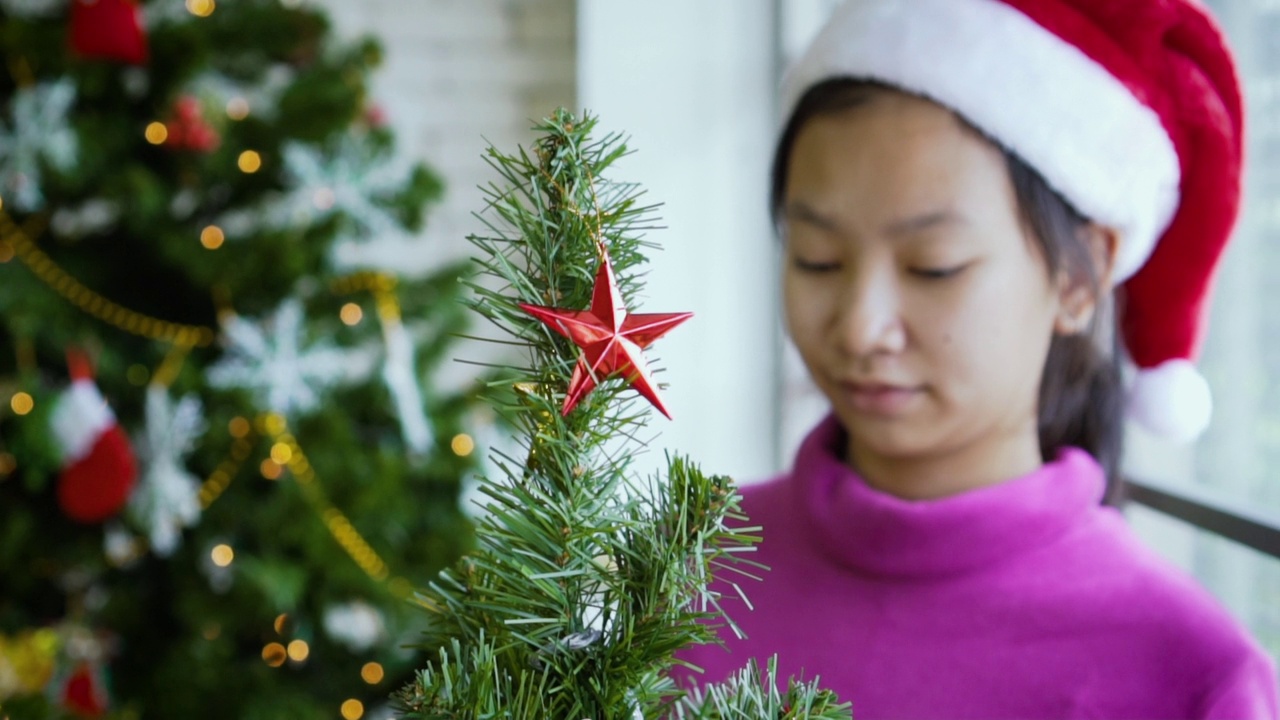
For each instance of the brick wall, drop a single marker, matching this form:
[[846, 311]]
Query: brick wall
[[455, 73]]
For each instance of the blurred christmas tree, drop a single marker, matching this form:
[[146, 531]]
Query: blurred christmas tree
[[232, 533]]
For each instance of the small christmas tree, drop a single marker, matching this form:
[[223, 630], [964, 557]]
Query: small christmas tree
[[587, 580]]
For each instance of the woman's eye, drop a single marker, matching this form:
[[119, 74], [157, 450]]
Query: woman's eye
[[937, 273], [814, 266]]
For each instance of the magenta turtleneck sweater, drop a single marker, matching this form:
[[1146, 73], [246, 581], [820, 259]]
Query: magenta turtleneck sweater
[[1026, 599]]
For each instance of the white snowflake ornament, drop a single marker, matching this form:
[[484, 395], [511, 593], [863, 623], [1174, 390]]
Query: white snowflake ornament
[[399, 375], [269, 358], [168, 498], [344, 180], [357, 625], [38, 129], [33, 8]]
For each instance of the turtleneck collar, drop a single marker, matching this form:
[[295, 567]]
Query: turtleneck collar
[[876, 533]]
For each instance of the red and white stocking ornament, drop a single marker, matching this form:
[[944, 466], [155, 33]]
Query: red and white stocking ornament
[[108, 30], [98, 467], [85, 692]]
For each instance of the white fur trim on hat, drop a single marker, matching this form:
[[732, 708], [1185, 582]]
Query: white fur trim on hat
[[1171, 400], [1030, 90], [79, 418]]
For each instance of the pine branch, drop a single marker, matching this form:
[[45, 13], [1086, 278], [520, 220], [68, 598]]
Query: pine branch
[[586, 581]]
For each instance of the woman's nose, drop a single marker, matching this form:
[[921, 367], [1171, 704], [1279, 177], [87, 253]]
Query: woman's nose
[[869, 321]]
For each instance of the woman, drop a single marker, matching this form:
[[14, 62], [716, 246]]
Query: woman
[[962, 186]]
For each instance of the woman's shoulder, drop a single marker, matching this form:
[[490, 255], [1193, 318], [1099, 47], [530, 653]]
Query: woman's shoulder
[[1132, 586]]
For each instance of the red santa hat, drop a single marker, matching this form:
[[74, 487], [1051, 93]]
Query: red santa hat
[[1130, 109]]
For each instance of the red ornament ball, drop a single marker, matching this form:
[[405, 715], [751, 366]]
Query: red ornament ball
[[108, 30]]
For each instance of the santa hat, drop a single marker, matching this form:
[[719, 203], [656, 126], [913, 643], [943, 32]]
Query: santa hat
[[1130, 109]]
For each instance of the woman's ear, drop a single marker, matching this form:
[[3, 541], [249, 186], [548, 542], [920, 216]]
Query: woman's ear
[[1080, 289]]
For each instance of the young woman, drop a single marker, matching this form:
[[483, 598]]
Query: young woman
[[963, 188]]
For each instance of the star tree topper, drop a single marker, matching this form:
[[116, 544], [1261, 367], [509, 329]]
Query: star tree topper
[[610, 337]]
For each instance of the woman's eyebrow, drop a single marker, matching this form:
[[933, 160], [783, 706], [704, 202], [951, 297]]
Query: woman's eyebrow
[[798, 210], [916, 223]]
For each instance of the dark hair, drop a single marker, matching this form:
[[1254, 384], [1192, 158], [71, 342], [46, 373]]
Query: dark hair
[[1081, 400]]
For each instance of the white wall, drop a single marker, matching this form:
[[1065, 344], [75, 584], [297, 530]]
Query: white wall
[[693, 84]]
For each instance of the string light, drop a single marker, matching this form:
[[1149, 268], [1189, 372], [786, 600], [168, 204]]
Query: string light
[[273, 423], [271, 469], [372, 673], [212, 631], [351, 314], [8, 463], [237, 108], [6, 252], [222, 555], [352, 709], [299, 650], [281, 453], [274, 654], [156, 133], [250, 161], [212, 237], [201, 8], [462, 445], [238, 427], [22, 403], [281, 619]]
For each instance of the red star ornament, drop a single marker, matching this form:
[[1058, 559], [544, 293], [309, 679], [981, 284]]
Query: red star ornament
[[610, 337]]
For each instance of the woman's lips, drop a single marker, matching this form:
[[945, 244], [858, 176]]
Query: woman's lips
[[880, 398]]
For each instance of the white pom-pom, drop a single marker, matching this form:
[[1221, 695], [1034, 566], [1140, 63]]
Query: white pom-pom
[[79, 419], [1171, 400]]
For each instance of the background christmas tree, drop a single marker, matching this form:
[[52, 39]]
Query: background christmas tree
[[587, 580], [174, 178]]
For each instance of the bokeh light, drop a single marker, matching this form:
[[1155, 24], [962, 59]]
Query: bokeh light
[[222, 555], [212, 237], [352, 709], [250, 161], [351, 314], [22, 403], [462, 445], [237, 108], [271, 469], [201, 8], [156, 133], [299, 650], [274, 654], [372, 673]]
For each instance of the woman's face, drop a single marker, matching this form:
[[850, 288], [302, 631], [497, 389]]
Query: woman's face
[[920, 304]]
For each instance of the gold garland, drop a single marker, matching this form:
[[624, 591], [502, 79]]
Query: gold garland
[[339, 526], [93, 303]]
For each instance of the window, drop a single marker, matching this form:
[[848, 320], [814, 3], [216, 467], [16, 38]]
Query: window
[[1239, 455]]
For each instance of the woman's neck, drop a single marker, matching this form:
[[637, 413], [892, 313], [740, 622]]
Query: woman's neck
[[949, 471]]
